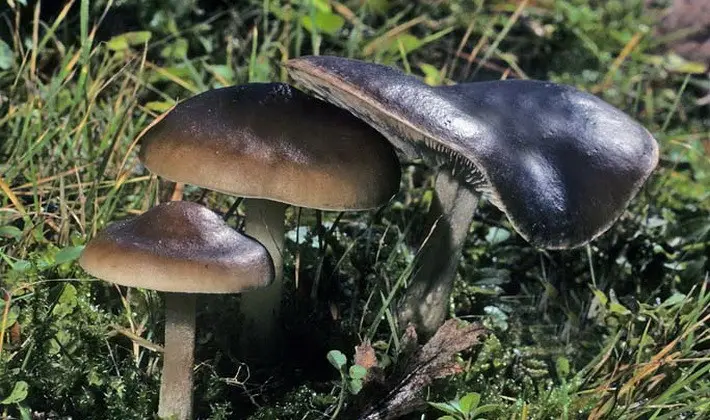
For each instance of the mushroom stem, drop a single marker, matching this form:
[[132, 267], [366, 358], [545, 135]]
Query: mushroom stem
[[426, 300], [264, 221], [178, 357]]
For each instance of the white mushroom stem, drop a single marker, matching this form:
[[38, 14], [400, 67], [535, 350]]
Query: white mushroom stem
[[264, 221], [426, 300], [178, 357]]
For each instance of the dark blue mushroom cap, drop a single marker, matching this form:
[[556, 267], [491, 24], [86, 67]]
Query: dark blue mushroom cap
[[562, 164]]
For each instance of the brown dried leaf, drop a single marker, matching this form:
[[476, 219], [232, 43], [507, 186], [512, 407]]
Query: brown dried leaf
[[434, 360], [365, 355], [401, 393], [15, 333]]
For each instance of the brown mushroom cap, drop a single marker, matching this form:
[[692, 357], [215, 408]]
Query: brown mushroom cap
[[178, 247], [271, 141]]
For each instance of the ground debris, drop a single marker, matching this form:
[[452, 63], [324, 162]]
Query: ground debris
[[418, 366]]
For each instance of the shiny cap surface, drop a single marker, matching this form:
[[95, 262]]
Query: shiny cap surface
[[178, 247], [271, 141], [562, 164]]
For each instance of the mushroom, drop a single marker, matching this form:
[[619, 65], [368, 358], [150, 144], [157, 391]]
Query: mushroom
[[180, 248], [276, 146], [562, 164]]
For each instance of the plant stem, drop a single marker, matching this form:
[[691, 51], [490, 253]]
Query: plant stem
[[178, 357], [341, 396], [426, 300], [264, 221], [6, 311]]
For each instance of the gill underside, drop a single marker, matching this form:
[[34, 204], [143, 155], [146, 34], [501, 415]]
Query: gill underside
[[459, 167], [462, 169], [409, 142]]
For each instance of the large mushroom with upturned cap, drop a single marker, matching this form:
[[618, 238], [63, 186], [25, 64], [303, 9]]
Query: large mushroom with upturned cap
[[181, 249], [562, 164], [276, 146]]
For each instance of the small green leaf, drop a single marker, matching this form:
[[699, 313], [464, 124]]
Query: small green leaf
[[674, 299], [25, 413], [448, 408], [68, 254], [159, 106], [95, 379], [128, 39], [481, 409], [619, 309], [601, 297], [20, 266], [176, 49], [562, 367], [496, 317], [469, 401], [337, 359], [170, 73], [355, 386], [328, 23], [67, 301], [6, 56], [409, 43], [285, 14], [357, 372], [222, 71], [497, 235], [9, 231], [680, 65], [18, 394], [432, 75], [322, 6]]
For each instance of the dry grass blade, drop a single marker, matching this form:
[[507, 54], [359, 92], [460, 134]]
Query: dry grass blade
[[13, 198]]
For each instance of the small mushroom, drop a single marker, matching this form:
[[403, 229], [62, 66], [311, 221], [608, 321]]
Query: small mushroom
[[562, 164], [180, 248], [277, 146]]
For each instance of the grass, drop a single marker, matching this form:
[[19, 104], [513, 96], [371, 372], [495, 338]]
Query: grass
[[617, 330]]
